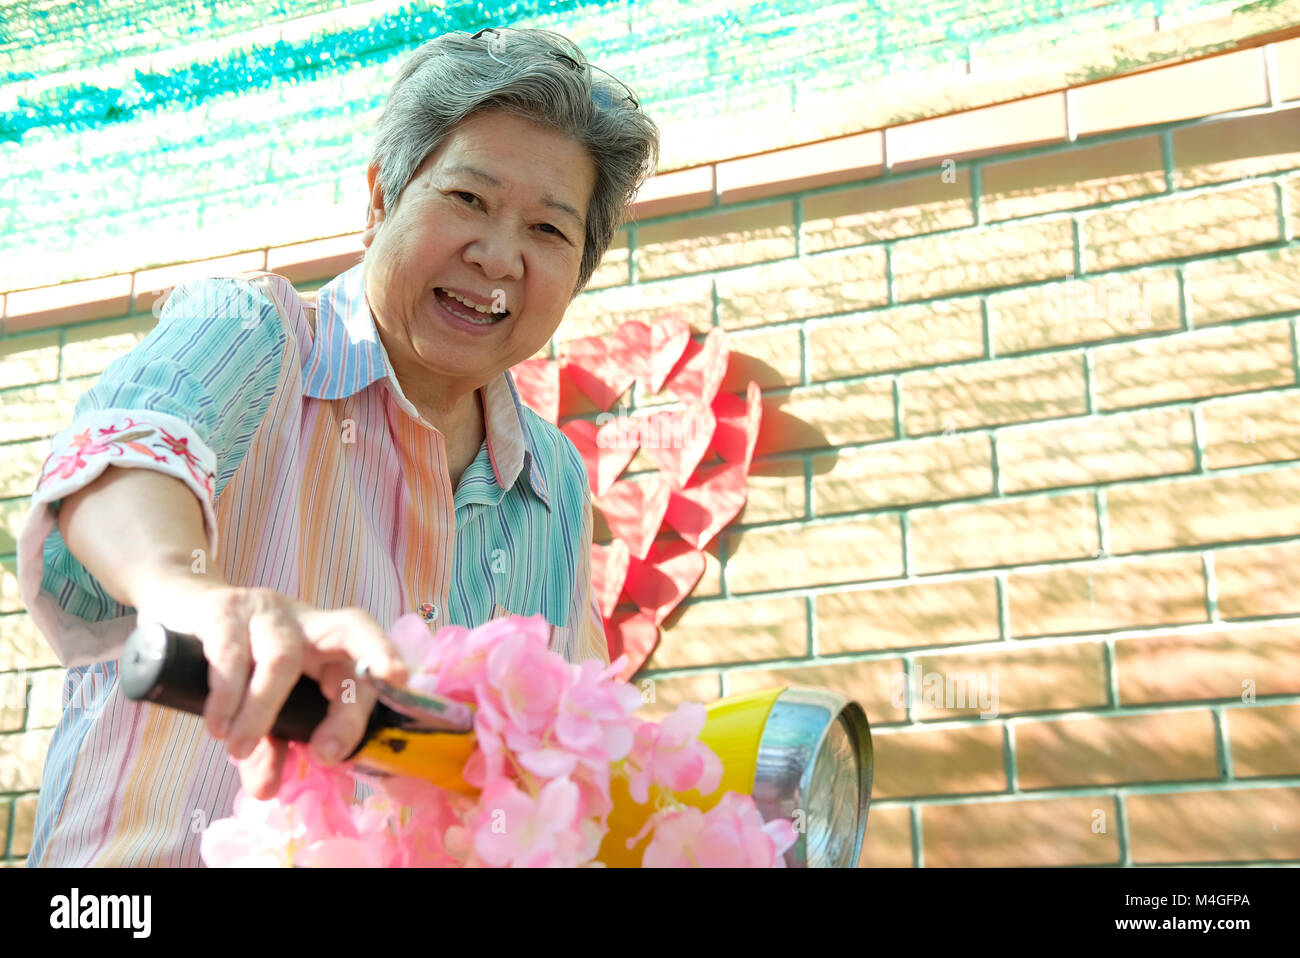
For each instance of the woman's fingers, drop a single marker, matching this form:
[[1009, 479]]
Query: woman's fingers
[[353, 634], [263, 770], [229, 665], [275, 643], [350, 705]]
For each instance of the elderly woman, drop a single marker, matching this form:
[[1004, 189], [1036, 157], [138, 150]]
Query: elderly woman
[[293, 476]]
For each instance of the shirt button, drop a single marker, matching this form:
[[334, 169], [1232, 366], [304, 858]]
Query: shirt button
[[429, 612]]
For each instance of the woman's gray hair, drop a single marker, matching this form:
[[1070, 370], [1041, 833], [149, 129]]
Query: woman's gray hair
[[450, 78]]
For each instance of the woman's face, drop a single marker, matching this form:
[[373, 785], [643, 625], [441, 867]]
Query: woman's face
[[494, 213]]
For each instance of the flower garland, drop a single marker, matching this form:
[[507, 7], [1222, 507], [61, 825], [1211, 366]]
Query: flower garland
[[550, 737]]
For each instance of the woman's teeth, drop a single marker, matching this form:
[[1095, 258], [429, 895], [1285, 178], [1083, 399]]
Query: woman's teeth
[[479, 315]]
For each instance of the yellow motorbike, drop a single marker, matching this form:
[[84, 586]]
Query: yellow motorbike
[[802, 754]]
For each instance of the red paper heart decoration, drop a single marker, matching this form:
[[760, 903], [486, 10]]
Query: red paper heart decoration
[[700, 373], [608, 573], [630, 347], [668, 339], [594, 367], [634, 634], [677, 441], [659, 586], [538, 382], [634, 511], [606, 450], [701, 510], [738, 420]]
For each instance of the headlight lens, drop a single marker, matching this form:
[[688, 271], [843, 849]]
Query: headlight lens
[[833, 801]]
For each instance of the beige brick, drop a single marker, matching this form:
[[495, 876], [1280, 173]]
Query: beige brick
[[1099, 596], [1208, 362], [27, 360], [882, 211], [867, 683], [705, 633], [1179, 226], [13, 513], [770, 357], [1236, 148], [1176, 746], [600, 312], [894, 616], [613, 268], [1072, 178], [917, 335], [1258, 580], [10, 597], [888, 839], [1264, 740], [1028, 677], [1015, 125], [776, 493], [938, 761], [22, 757], [1202, 87], [20, 466], [800, 288], [990, 393], [715, 241], [1025, 834], [21, 644], [789, 557], [832, 414], [1287, 59], [1293, 204], [39, 412], [45, 702], [1091, 449], [1082, 310], [13, 700], [660, 696], [812, 166], [1251, 429], [1228, 663], [24, 825], [934, 266], [1261, 824], [1014, 532], [90, 349], [1189, 512], [903, 473], [1237, 287]]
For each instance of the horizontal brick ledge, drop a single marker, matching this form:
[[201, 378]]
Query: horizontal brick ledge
[[961, 135]]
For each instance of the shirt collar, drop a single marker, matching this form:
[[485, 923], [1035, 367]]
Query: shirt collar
[[348, 355]]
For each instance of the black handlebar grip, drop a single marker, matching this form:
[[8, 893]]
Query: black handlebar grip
[[168, 668]]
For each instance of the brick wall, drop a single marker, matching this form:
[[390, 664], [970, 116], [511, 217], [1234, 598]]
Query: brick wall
[[1029, 451]]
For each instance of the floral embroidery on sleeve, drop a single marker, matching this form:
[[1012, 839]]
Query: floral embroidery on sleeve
[[115, 440]]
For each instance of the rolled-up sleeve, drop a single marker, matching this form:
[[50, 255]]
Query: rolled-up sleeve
[[186, 401]]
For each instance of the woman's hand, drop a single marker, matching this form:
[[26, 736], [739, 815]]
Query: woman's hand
[[258, 643]]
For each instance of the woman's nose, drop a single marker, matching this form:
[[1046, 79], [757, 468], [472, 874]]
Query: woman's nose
[[497, 252]]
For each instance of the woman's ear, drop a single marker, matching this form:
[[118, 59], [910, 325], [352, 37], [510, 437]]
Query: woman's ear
[[375, 210]]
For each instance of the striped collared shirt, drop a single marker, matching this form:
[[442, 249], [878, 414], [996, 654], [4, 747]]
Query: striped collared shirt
[[318, 479]]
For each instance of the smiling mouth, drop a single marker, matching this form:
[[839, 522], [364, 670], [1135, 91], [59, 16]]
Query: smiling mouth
[[465, 312]]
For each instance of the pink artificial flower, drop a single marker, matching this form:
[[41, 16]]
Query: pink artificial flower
[[667, 754], [595, 713], [513, 829], [732, 834], [258, 835]]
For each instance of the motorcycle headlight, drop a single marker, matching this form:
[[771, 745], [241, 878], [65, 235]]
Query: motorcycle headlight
[[814, 767]]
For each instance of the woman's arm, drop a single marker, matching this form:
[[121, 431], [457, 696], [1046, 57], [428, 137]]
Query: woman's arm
[[135, 530]]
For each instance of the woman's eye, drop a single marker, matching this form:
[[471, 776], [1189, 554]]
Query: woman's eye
[[555, 232], [463, 193]]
